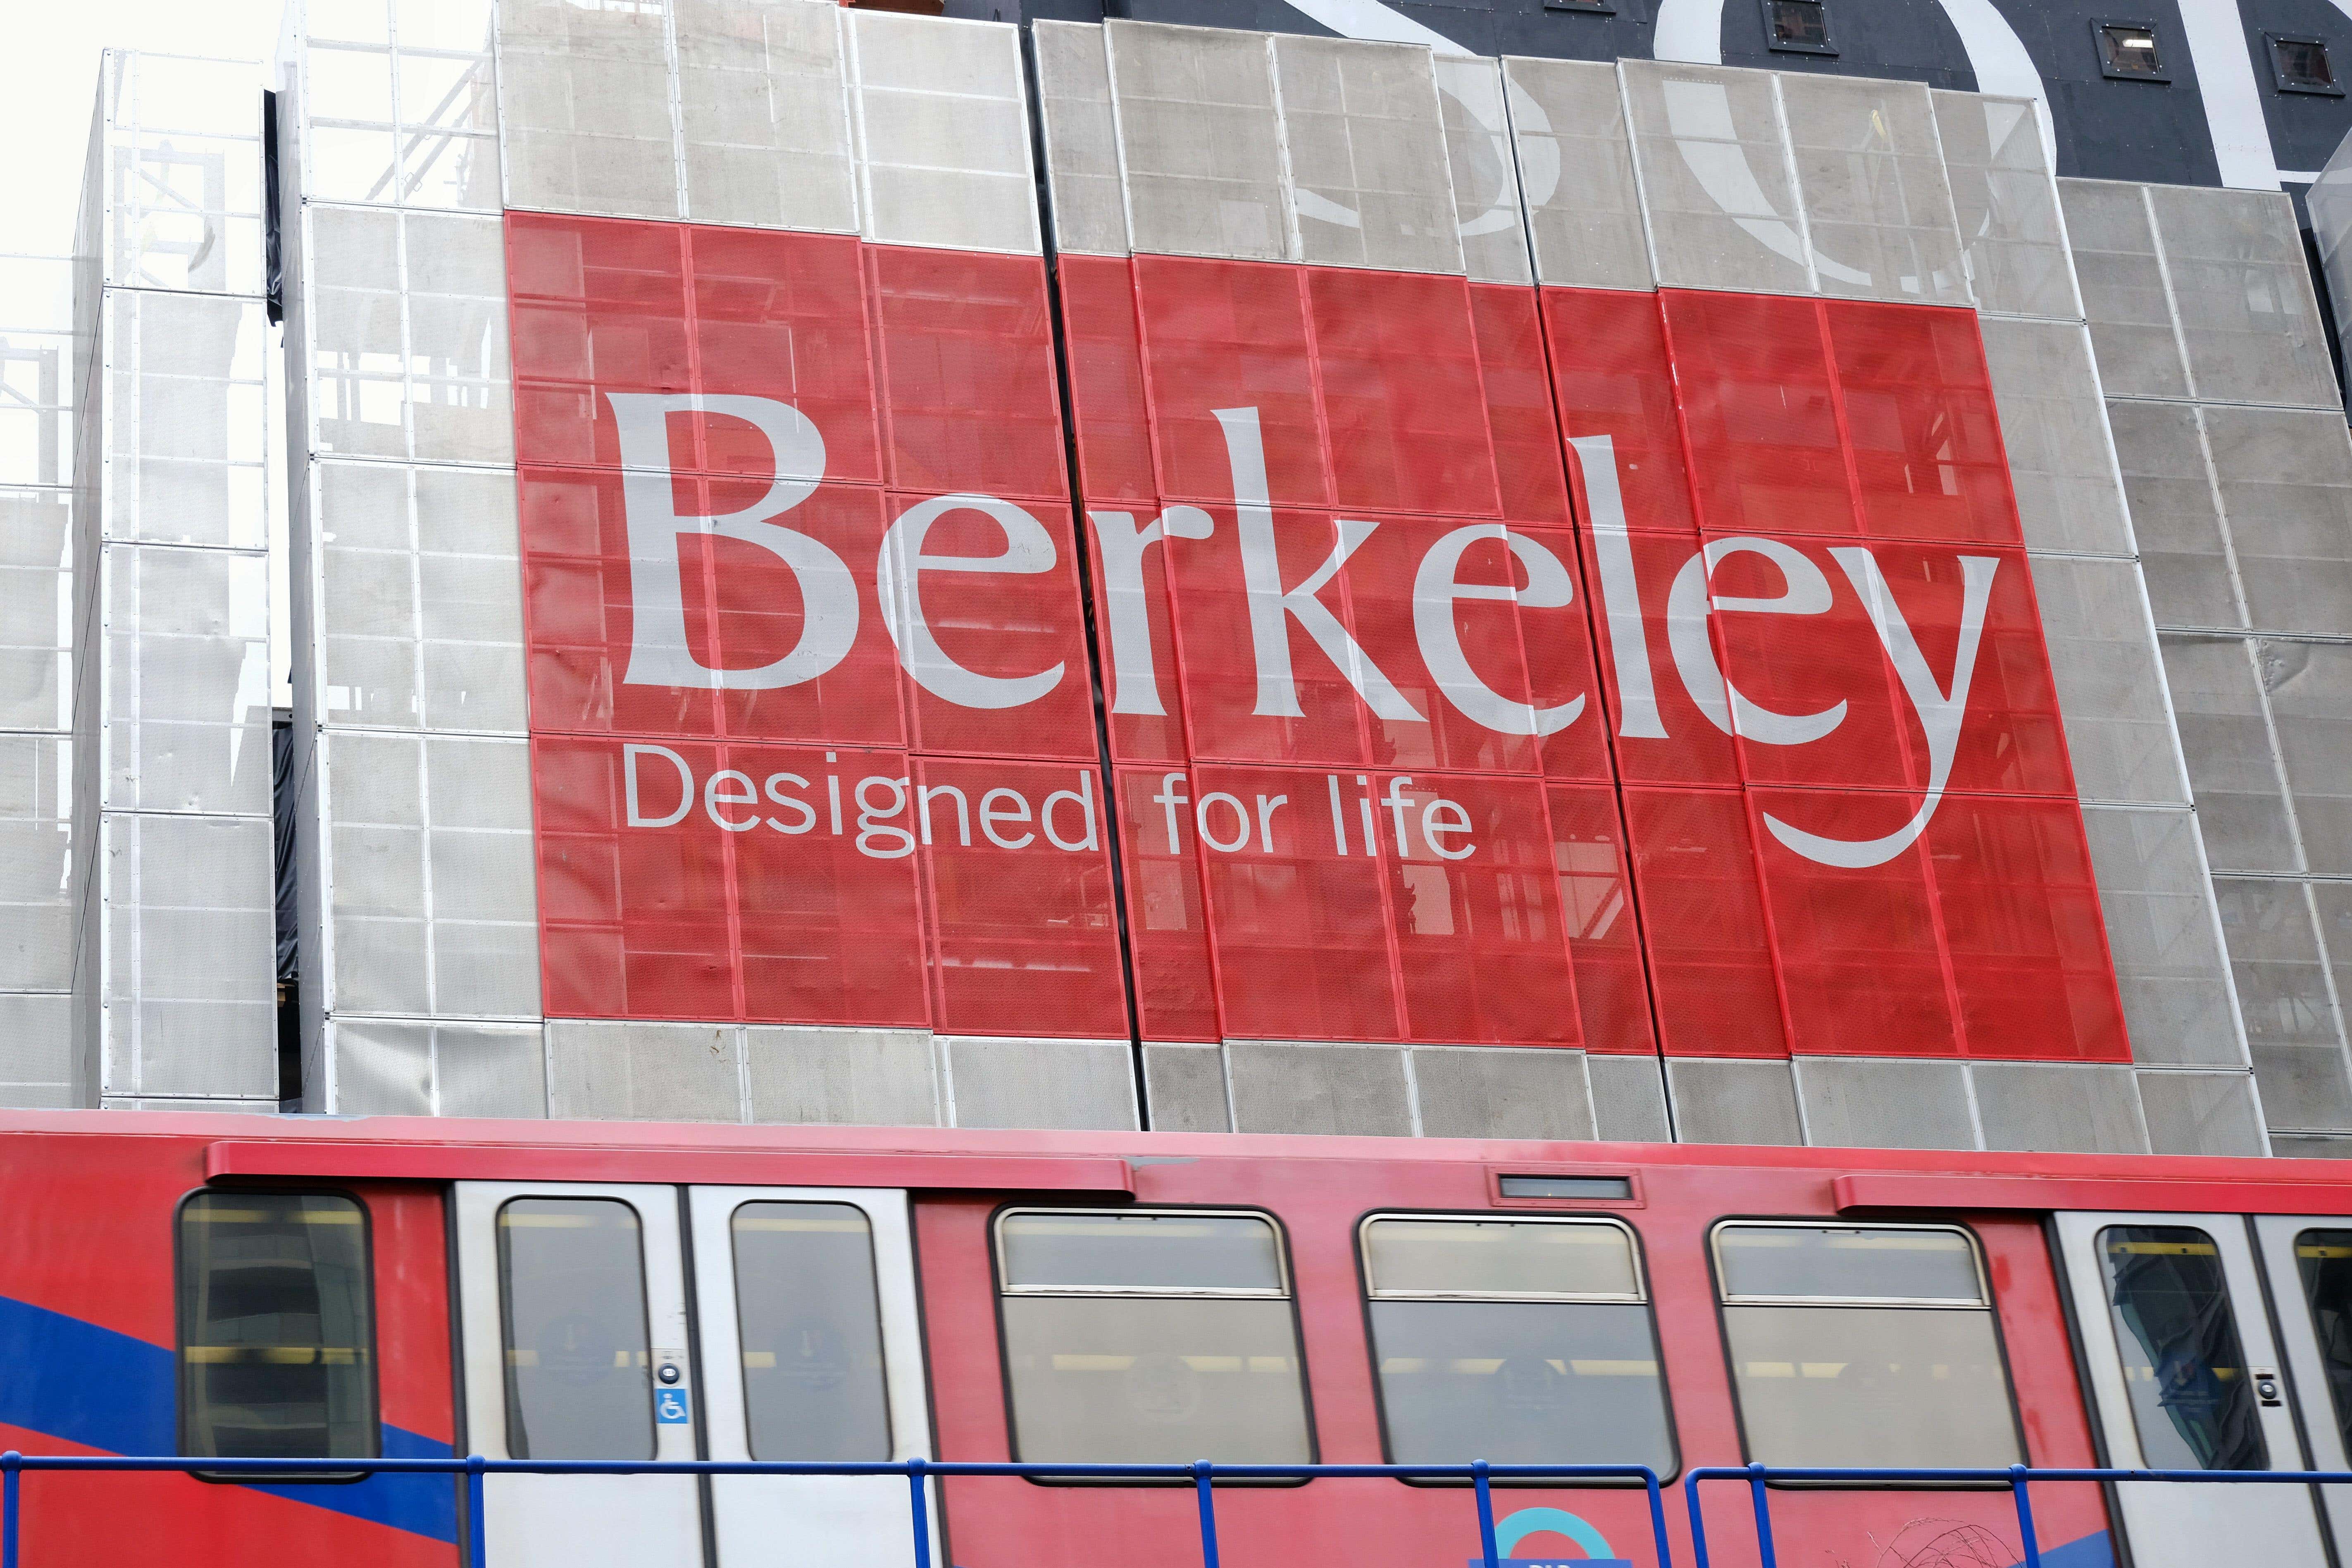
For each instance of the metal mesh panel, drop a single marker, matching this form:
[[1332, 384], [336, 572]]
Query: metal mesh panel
[[36, 843], [1865, 1104], [207, 1105], [2241, 292], [1629, 1098], [1488, 211], [2310, 1146], [1198, 138], [650, 1072], [36, 1054], [2054, 429], [2175, 514], [585, 106], [35, 609], [381, 1067], [2123, 290], [40, 362], [1716, 180], [2119, 730], [373, 801], [1081, 138], [1040, 1083], [1369, 183], [401, 104], [1280, 1088], [862, 1078], [1733, 1102], [183, 173], [2240, 797], [2200, 1113], [1186, 1087], [2007, 205], [2045, 1107], [2161, 929], [187, 680], [184, 420], [942, 126], [763, 114], [1878, 210], [490, 1070], [2286, 483], [1482, 1092], [190, 962], [1576, 167], [2310, 690]]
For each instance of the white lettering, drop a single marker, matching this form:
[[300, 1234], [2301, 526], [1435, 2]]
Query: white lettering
[[1431, 828], [629, 755], [1208, 834], [1398, 805], [1119, 545], [1266, 807], [713, 798], [1171, 796], [1805, 593], [1028, 550], [871, 818], [1083, 797], [923, 799], [808, 812], [990, 817], [1621, 591], [1435, 587]]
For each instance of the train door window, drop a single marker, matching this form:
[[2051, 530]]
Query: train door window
[[2324, 1258], [1864, 1345], [811, 1331], [2191, 1402], [1155, 1336], [277, 1328], [571, 1287], [1521, 1342]]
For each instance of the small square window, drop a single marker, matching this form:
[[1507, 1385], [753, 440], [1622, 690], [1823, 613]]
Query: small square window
[[2128, 51], [2301, 65], [1798, 26]]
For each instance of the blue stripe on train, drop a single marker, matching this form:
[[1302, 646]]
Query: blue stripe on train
[[92, 1387]]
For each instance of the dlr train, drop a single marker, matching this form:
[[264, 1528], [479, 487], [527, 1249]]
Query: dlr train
[[232, 1286]]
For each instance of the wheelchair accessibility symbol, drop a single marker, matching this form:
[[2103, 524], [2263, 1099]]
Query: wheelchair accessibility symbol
[[1512, 1528], [670, 1408]]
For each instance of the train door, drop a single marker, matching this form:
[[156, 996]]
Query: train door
[[2184, 1376], [2308, 1263]]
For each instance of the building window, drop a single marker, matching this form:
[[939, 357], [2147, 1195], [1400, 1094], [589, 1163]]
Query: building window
[[811, 1331], [2301, 65], [572, 1284], [277, 1328], [1525, 1341], [2191, 1401], [2128, 52], [1864, 1344], [1149, 1337], [1798, 26]]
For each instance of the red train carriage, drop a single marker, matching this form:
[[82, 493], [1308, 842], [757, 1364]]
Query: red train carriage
[[218, 1286]]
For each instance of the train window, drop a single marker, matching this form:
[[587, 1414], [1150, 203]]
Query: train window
[[2323, 1258], [1864, 1345], [572, 1283], [811, 1331], [277, 1328], [2191, 1401], [1146, 1337], [1521, 1342]]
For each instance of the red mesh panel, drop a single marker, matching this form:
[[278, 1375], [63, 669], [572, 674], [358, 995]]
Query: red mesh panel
[[1524, 429], [1919, 414], [1659, 735], [1105, 363], [1703, 918], [1229, 334], [1604, 942], [1167, 923], [1397, 368], [593, 300], [1611, 376], [1146, 713], [783, 316], [1754, 375]]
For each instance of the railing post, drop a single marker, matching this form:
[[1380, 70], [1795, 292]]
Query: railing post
[[918, 1503], [1208, 1513], [12, 1475], [1486, 1511], [2024, 1518], [477, 1525], [1764, 1552]]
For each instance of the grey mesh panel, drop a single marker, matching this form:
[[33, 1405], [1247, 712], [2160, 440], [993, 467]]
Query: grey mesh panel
[[372, 796], [1041, 1083], [187, 689], [2200, 1113], [183, 416], [1488, 214], [1629, 1098], [869, 1077], [36, 843], [207, 1105], [941, 120], [2333, 903], [403, 112], [190, 962], [37, 1053], [2157, 902], [35, 609], [2007, 205], [1576, 169], [2123, 290], [1185, 1087], [2293, 1032], [1370, 182], [585, 109], [2310, 690], [1715, 176], [2286, 483], [1486, 1092], [2241, 798], [2054, 428], [1198, 139], [1878, 208], [182, 172], [2241, 291], [490, 1070], [2310, 1146], [1283, 1087], [381, 1067], [651, 1072], [2176, 514], [1081, 138], [2119, 727], [764, 114], [1862, 1103], [1720, 1101], [2046, 1107]]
